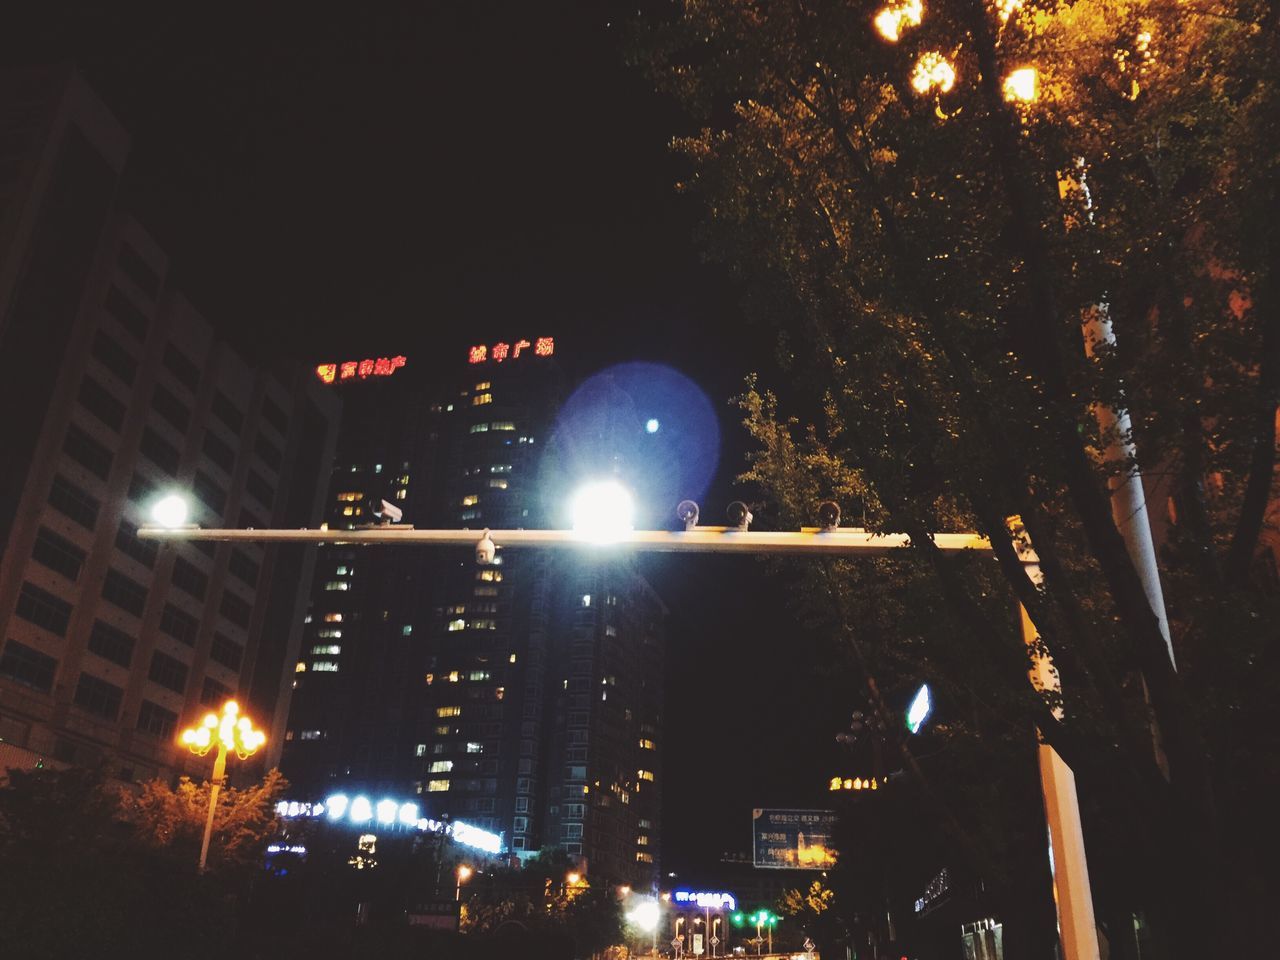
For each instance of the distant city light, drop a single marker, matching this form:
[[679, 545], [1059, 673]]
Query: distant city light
[[361, 810], [170, 511], [714, 901], [920, 709], [652, 425], [602, 511]]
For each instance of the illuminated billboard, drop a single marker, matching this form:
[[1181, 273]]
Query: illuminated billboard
[[793, 839]]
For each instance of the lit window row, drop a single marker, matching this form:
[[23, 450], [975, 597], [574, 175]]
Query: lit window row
[[333, 618], [353, 511], [350, 496], [487, 574], [500, 468], [448, 711], [645, 775], [437, 786], [498, 483], [480, 399], [337, 585], [324, 666], [440, 766], [327, 649], [329, 632], [471, 499], [646, 744]]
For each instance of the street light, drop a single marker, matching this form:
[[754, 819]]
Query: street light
[[645, 916], [170, 511], [464, 874], [602, 512], [228, 732]]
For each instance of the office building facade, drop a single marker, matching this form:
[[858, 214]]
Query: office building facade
[[523, 696], [117, 390]]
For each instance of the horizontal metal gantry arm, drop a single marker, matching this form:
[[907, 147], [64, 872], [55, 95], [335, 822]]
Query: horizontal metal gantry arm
[[842, 541]]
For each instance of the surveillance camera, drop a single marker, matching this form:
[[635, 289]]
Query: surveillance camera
[[687, 513], [739, 515], [485, 550], [380, 511], [828, 515], [390, 512]]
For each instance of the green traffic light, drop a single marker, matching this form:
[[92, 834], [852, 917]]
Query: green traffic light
[[736, 918]]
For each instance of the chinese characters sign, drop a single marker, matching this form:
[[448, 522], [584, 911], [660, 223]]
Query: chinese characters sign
[[793, 839], [542, 347], [359, 369]]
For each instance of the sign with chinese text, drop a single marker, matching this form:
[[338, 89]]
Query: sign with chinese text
[[793, 839], [705, 900], [350, 370], [541, 347]]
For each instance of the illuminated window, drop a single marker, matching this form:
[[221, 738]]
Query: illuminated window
[[453, 676], [511, 659], [324, 666], [310, 734], [645, 775], [347, 511], [478, 675], [329, 632], [586, 599], [337, 585], [499, 693], [455, 625], [437, 786], [483, 625], [300, 667], [440, 766], [469, 515], [430, 678], [495, 575], [406, 630], [502, 425], [498, 483], [420, 750], [485, 591], [448, 711], [443, 731], [646, 744], [343, 571], [473, 747], [471, 499], [642, 841], [327, 649], [333, 618], [479, 428], [483, 385], [350, 496], [610, 631], [480, 399], [401, 494], [643, 856]]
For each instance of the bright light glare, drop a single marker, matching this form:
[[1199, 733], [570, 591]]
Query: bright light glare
[[336, 805], [1021, 85], [409, 814], [891, 20], [602, 511], [170, 511], [920, 709], [651, 425], [932, 70], [361, 810], [387, 811], [645, 916]]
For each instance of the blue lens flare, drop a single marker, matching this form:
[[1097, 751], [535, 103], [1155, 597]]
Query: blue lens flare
[[644, 424]]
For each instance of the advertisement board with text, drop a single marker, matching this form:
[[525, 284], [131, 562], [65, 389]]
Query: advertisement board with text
[[793, 839]]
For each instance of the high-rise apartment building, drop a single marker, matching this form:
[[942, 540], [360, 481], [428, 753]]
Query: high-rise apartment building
[[116, 390], [524, 696]]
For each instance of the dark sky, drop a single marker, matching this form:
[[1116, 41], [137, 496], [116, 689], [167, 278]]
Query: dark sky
[[404, 180]]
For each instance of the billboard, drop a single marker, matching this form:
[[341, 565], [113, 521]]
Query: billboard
[[793, 839]]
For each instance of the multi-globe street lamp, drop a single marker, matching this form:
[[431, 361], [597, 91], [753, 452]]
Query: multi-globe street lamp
[[231, 731], [602, 520]]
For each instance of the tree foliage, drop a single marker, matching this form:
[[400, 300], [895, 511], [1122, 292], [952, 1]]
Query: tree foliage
[[926, 257]]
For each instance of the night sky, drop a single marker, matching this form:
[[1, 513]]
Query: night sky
[[419, 178]]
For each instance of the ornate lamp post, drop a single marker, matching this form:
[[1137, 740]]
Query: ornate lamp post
[[228, 732]]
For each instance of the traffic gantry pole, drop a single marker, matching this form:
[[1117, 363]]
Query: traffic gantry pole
[[1070, 870]]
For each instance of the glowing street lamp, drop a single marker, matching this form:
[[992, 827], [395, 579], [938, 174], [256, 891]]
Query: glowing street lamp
[[602, 512], [1020, 86], [171, 511], [464, 874], [228, 732], [921, 707], [644, 917]]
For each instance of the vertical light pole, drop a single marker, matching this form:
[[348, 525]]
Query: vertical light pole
[[464, 874], [228, 732], [679, 939]]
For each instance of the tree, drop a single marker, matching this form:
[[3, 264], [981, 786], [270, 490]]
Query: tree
[[925, 243]]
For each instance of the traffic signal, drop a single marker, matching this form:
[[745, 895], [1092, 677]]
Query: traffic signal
[[736, 918]]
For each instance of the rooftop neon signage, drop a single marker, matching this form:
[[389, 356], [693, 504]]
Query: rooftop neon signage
[[704, 900], [358, 369], [541, 347]]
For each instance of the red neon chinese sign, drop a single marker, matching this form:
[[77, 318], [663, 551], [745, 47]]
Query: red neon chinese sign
[[542, 347], [358, 369]]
